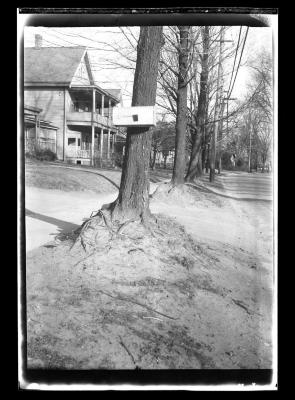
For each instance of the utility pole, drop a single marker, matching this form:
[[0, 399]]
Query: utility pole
[[250, 140], [219, 137], [225, 99], [250, 144], [217, 109]]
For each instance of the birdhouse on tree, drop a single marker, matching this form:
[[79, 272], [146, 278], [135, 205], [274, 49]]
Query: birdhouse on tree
[[134, 116]]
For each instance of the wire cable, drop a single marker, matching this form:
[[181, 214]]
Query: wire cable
[[236, 53], [239, 62]]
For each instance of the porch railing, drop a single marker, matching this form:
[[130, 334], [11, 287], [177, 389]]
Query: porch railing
[[76, 153], [86, 117]]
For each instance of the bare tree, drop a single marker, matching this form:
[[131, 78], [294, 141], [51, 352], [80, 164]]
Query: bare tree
[[260, 106], [133, 198], [217, 108], [163, 141], [193, 168], [181, 118], [202, 79]]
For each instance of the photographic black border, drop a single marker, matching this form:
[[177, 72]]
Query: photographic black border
[[83, 17]]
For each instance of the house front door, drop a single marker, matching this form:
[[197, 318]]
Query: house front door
[[74, 146], [78, 143]]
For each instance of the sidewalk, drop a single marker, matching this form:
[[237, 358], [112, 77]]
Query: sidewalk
[[239, 185], [52, 212]]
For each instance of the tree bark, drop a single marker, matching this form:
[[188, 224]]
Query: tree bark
[[204, 157], [133, 198], [200, 168], [165, 162], [207, 163], [193, 169], [153, 159], [217, 111], [220, 128], [181, 118]]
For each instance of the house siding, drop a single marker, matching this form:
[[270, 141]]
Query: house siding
[[81, 76], [51, 100], [56, 103]]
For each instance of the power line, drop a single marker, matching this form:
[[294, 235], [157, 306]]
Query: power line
[[235, 59], [111, 48], [75, 34], [239, 62]]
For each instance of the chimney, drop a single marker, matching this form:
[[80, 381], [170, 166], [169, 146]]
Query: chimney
[[38, 41]]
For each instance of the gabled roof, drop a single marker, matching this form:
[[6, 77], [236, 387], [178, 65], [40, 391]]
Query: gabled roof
[[52, 65], [115, 93]]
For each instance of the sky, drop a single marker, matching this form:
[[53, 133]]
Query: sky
[[106, 63]]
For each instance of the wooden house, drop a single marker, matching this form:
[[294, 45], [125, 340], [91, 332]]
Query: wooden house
[[59, 82], [38, 131]]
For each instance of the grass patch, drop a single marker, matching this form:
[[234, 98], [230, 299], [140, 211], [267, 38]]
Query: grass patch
[[47, 176]]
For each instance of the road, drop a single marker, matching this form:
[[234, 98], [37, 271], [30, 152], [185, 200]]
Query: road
[[242, 185], [52, 212]]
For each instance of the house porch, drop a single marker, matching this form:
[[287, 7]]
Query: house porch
[[79, 149]]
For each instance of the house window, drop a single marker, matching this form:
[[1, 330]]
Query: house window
[[79, 142], [71, 141]]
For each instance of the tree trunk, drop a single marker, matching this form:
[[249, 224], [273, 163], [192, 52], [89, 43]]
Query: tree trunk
[[204, 158], [201, 112], [199, 172], [217, 111], [263, 164], [153, 159], [220, 128], [165, 162], [133, 198], [181, 118], [207, 158], [219, 164]]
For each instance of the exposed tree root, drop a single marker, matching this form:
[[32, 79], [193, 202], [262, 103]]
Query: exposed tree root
[[103, 227], [124, 225], [124, 298], [128, 351], [84, 259]]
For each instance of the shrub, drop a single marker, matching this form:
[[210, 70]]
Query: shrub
[[117, 159], [41, 154], [46, 155], [225, 160], [240, 162]]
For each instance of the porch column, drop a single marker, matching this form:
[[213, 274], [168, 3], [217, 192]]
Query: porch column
[[114, 142], [36, 129], [92, 127], [102, 105], [101, 144], [109, 142], [110, 106]]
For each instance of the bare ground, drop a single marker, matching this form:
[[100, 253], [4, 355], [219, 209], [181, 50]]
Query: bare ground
[[200, 299]]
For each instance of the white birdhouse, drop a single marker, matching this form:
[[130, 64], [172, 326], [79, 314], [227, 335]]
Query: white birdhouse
[[134, 116]]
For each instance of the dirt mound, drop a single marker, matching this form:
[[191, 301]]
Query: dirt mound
[[129, 300], [186, 195], [147, 301]]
